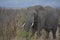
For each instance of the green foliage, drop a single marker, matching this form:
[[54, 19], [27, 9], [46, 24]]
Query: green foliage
[[22, 34]]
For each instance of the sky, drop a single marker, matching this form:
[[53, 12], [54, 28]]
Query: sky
[[27, 3]]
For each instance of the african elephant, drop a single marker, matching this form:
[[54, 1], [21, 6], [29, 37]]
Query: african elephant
[[43, 18], [48, 20]]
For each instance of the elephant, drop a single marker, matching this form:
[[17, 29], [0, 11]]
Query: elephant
[[42, 18], [48, 20]]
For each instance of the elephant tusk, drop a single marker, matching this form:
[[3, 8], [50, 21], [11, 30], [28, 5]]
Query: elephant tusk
[[23, 25], [32, 24]]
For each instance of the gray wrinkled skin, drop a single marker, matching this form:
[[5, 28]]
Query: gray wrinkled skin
[[43, 18]]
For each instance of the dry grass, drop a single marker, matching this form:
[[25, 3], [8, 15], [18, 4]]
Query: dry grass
[[16, 18], [22, 36]]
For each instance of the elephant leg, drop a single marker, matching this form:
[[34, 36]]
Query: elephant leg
[[54, 34], [38, 32], [59, 32], [47, 34], [54, 30]]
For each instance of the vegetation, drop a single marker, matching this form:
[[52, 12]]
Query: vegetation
[[10, 23]]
